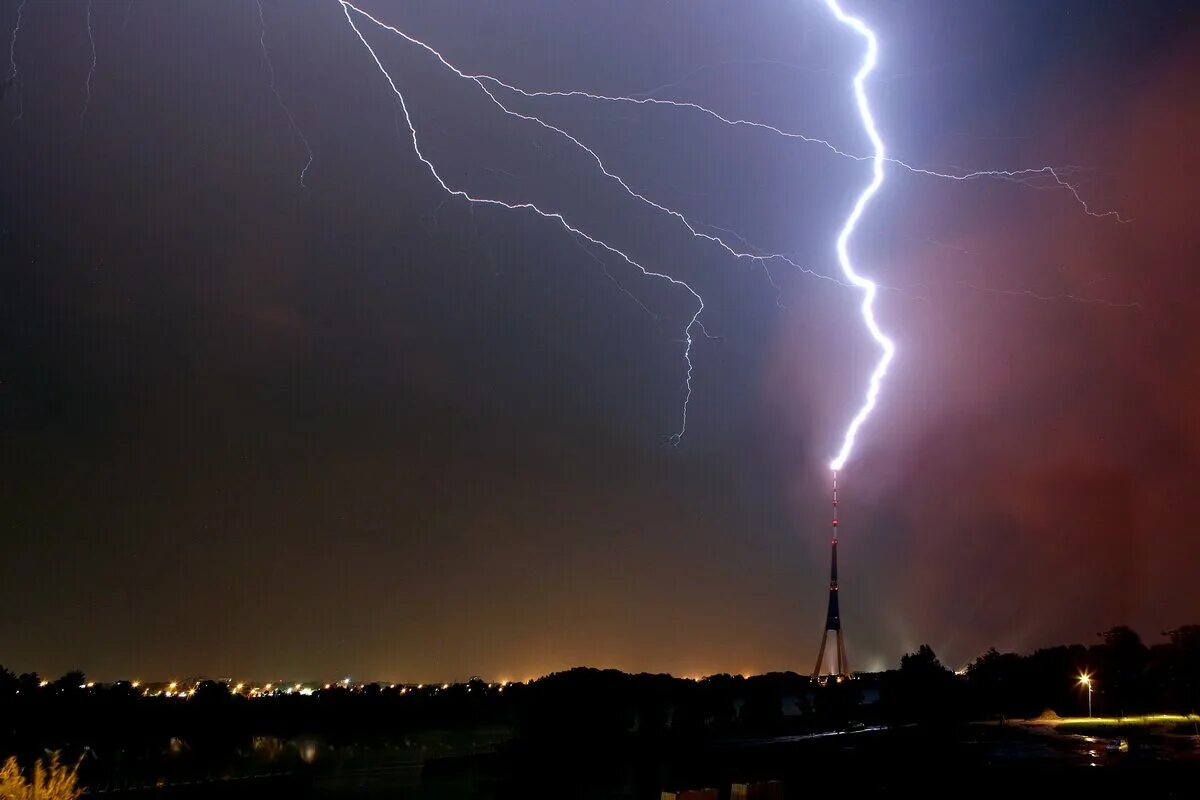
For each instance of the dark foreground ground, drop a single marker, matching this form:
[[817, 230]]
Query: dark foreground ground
[[965, 761]]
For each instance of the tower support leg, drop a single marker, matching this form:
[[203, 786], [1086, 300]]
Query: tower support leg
[[821, 654], [843, 663]]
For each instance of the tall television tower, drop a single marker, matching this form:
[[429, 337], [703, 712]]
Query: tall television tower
[[833, 619]]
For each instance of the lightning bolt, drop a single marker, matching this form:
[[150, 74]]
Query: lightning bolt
[[14, 78], [1053, 175], [270, 67], [87, 100], [1020, 176], [868, 286], [1043, 177], [556, 216], [691, 227], [1035, 177]]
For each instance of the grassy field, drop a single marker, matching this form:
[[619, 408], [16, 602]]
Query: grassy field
[[1179, 723], [1137, 721], [1186, 724]]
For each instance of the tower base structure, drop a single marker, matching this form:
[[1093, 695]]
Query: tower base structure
[[843, 664]]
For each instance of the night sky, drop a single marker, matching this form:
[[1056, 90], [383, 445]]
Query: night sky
[[259, 430]]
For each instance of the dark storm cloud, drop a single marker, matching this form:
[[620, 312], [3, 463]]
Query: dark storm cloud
[[358, 428], [1090, 459]]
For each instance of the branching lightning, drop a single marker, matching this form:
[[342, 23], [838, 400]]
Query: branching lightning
[[868, 287], [479, 80], [14, 78], [1035, 177], [87, 99], [502, 93], [694, 322], [1052, 175], [270, 67]]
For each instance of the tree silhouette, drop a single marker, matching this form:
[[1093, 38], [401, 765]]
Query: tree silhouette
[[70, 683], [1124, 658], [924, 688], [1183, 674]]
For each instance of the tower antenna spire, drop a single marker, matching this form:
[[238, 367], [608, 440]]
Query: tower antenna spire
[[833, 618]]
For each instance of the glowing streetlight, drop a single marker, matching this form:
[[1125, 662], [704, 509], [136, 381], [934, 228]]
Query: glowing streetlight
[[1086, 680]]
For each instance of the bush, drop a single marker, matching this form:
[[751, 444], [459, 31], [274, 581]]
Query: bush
[[51, 780]]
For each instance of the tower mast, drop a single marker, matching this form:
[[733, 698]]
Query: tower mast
[[833, 619]]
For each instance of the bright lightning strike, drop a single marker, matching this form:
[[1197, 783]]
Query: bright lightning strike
[[270, 67], [868, 286], [1050, 177], [694, 322], [1044, 177]]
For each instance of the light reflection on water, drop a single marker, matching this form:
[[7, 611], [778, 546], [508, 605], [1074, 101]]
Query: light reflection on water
[[1049, 745], [457, 767]]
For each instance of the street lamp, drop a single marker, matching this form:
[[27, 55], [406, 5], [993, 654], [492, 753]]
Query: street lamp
[[1086, 680]]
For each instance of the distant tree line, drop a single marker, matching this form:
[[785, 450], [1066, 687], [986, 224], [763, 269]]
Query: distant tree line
[[1127, 678], [606, 706]]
